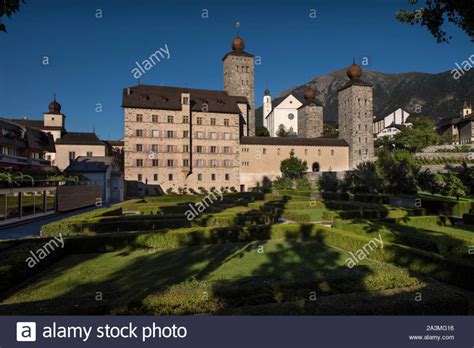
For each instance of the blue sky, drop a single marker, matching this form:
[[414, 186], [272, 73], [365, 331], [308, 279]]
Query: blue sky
[[91, 59]]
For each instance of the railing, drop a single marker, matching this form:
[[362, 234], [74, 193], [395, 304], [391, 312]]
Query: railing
[[23, 160]]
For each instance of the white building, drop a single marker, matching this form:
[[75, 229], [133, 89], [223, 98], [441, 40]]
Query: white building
[[391, 124], [285, 114]]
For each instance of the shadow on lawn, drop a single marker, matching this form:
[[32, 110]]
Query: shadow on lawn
[[302, 276]]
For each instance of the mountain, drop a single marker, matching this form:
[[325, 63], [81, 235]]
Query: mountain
[[434, 95]]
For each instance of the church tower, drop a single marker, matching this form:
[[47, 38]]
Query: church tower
[[466, 110], [267, 106], [239, 77], [355, 117]]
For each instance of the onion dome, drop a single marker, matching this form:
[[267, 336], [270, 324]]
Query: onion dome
[[238, 45], [54, 107], [267, 92], [354, 71], [309, 95]]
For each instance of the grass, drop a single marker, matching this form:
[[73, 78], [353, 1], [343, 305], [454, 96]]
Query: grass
[[315, 214], [140, 279]]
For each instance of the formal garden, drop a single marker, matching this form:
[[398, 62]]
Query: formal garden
[[346, 246]]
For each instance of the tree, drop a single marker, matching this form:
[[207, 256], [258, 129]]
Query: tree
[[453, 186], [293, 167], [366, 178], [328, 182], [282, 132], [7, 8], [261, 131], [329, 129], [430, 182], [399, 171], [417, 137], [433, 14]]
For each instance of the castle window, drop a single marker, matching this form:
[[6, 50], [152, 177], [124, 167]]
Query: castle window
[[185, 100], [226, 163], [319, 152], [306, 151], [155, 177], [154, 118], [226, 122], [200, 163], [169, 148], [185, 148], [213, 135], [89, 154], [237, 68], [185, 162], [154, 148], [226, 149], [366, 140], [278, 152], [213, 121], [227, 136], [199, 149], [200, 135], [170, 177], [213, 163], [264, 151], [227, 177], [360, 152], [332, 152], [213, 149], [139, 132], [170, 163], [170, 119], [199, 120], [185, 134], [154, 163], [170, 134], [365, 127], [247, 69], [291, 116], [139, 118], [185, 119], [139, 177], [359, 140], [155, 133], [139, 163], [359, 126], [199, 177], [213, 177], [139, 147]]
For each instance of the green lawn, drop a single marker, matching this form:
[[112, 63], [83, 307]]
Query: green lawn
[[232, 275], [315, 213]]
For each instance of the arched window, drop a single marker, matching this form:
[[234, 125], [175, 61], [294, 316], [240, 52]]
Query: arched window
[[315, 167]]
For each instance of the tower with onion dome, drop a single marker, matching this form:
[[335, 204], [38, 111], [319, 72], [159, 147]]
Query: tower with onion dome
[[310, 117], [355, 116], [54, 120], [239, 78]]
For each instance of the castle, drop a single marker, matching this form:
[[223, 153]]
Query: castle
[[183, 138]]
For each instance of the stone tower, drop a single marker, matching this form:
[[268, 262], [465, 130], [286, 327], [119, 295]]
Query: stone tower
[[310, 117], [239, 77], [355, 117]]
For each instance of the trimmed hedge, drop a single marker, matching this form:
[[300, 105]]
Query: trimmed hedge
[[335, 196], [355, 214], [439, 206], [294, 193], [468, 219], [296, 217], [372, 198]]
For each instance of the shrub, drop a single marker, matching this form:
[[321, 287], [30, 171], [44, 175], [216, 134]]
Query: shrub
[[328, 182], [468, 218]]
